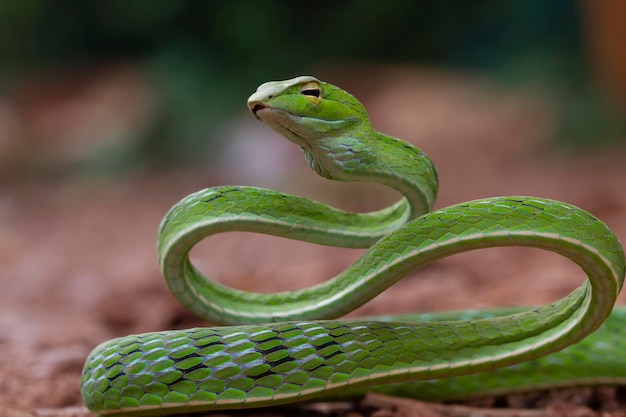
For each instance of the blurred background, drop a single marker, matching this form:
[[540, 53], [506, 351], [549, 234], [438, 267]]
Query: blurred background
[[126, 85], [110, 112]]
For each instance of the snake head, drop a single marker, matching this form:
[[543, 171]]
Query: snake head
[[305, 108], [313, 114]]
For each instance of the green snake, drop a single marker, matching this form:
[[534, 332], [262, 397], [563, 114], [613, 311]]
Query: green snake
[[288, 347]]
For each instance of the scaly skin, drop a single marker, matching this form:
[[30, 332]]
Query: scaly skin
[[285, 347]]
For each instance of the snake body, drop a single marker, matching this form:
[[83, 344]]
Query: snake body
[[287, 347]]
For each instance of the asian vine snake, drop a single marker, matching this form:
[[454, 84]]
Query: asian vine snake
[[287, 347]]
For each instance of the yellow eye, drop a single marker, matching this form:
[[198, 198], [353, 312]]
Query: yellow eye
[[312, 91]]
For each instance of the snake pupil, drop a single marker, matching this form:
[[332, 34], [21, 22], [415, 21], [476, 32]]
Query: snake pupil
[[312, 92]]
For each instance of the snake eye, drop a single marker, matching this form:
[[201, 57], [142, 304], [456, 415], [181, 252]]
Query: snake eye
[[312, 92]]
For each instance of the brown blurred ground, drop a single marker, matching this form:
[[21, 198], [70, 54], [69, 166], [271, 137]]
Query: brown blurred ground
[[78, 257]]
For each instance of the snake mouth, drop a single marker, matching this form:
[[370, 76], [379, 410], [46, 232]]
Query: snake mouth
[[256, 108]]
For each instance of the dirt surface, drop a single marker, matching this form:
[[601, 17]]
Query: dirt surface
[[78, 256]]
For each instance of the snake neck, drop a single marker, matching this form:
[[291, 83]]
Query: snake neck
[[370, 156]]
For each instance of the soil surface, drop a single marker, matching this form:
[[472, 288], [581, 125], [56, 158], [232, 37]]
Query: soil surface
[[78, 256]]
